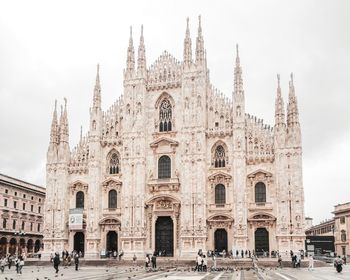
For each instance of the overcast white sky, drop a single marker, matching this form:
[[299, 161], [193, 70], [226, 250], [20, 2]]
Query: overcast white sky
[[49, 50]]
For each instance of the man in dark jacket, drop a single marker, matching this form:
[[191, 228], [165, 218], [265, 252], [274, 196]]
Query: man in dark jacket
[[76, 261], [56, 261]]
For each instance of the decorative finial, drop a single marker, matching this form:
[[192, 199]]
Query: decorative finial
[[55, 104], [199, 25], [291, 77], [141, 30], [130, 31], [278, 80], [81, 133], [237, 50], [65, 103]]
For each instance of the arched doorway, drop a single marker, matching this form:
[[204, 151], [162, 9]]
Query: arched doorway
[[261, 241], [22, 245], [3, 247], [220, 240], [112, 241], [13, 246], [79, 242], [30, 244], [165, 236], [37, 246]]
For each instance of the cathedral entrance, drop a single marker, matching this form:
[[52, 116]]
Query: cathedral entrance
[[112, 242], [261, 241], [165, 236], [79, 242], [220, 240]]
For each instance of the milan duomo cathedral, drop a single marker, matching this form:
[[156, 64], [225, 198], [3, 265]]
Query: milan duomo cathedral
[[174, 166]]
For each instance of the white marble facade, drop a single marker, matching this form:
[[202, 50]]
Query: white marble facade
[[176, 166]]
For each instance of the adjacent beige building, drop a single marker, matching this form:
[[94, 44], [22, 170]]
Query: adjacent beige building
[[175, 166], [342, 229], [21, 216]]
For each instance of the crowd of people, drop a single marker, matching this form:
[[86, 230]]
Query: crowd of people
[[7, 261], [66, 259]]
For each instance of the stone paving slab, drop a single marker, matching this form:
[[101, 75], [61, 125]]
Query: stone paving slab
[[139, 273]]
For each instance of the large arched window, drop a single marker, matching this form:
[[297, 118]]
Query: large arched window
[[164, 167], [112, 199], [220, 195], [79, 200], [260, 192], [343, 236], [114, 165], [219, 157], [165, 115]]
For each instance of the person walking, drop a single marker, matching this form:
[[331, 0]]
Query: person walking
[[134, 260], [2, 264], [20, 264], [214, 261], [311, 263], [199, 263], [76, 261], [56, 261], [146, 261], [9, 261], [205, 263]]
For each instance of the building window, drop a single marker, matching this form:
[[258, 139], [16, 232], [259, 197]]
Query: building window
[[6, 191], [165, 115], [220, 195], [39, 209], [5, 202], [260, 192], [39, 199], [38, 227], [24, 196], [15, 204], [112, 199], [24, 206], [79, 200], [4, 223], [14, 224], [164, 167], [342, 220], [32, 198], [31, 226], [219, 157], [32, 208], [343, 236], [114, 166], [15, 193], [23, 225]]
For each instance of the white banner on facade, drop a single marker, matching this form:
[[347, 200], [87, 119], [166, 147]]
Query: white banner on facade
[[76, 219]]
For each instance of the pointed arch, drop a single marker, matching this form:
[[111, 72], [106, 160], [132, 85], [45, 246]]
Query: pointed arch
[[113, 162], [219, 153], [165, 104]]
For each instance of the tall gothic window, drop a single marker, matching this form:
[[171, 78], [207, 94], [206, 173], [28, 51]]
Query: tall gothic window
[[164, 167], [165, 114], [260, 192], [114, 167], [219, 157], [112, 199], [343, 236], [79, 200], [220, 195]]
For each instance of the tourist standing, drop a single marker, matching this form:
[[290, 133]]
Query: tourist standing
[[199, 263], [134, 260], [9, 261], [56, 261], [146, 261], [2, 264], [154, 261], [311, 263], [214, 261], [205, 263], [20, 264], [279, 261]]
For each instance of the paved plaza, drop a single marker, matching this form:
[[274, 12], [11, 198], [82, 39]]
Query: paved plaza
[[125, 273]]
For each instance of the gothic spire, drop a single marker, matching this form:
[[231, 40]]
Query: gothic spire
[[279, 106], [64, 131], [141, 60], [292, 109], [130, 61], [238, 81], [200, 45], [54, 127], [187, 46], [97, 90]]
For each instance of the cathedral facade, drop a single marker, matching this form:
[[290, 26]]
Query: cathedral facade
[[174, 166]]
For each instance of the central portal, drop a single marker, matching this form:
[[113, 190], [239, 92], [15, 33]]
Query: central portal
[[164, 237], [261, 241], [220, 240]]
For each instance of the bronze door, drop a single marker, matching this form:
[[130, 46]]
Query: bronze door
[[261, 241], [220, 240], [164, 237]]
